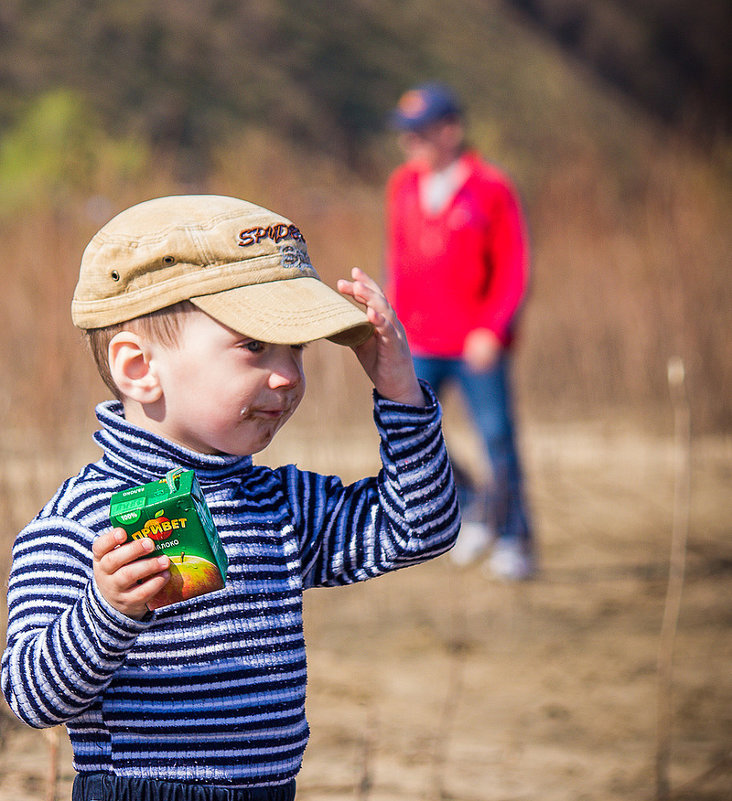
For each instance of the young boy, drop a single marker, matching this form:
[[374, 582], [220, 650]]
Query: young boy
[[197, 308]]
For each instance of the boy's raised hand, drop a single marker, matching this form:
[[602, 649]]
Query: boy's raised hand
[[125, 580], [385, 356]]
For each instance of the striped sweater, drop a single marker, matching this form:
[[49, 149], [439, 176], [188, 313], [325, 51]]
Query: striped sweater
[[210, 690]]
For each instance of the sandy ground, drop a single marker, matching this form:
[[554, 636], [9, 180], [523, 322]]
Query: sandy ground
[[439, 683]]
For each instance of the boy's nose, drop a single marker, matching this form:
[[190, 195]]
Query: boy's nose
[[286, 370]]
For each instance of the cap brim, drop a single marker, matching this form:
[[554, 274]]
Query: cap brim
[[288, 312], [399, 123]]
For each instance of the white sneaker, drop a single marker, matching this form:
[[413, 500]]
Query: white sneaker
[[510, 561], [473, 541]]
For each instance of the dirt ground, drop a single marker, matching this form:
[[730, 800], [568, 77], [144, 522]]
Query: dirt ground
[[439, 683]]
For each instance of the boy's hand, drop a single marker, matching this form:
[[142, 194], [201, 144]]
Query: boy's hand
[[385, 356], [126, 581]]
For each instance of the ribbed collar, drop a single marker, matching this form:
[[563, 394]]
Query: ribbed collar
[[142, 456]]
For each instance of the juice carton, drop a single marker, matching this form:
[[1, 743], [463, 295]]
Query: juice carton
[[173, 513]]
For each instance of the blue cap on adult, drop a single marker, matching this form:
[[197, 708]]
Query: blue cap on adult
[[423, 105]]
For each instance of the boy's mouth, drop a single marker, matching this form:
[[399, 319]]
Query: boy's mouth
[[270, 414], [274, 413]]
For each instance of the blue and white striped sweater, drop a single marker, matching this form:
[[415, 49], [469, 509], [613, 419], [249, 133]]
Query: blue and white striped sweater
[[212, 689]]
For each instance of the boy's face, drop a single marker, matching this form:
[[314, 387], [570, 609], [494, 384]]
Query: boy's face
[[223, 392]]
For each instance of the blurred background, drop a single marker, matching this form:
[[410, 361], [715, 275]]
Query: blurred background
[[614, 120]]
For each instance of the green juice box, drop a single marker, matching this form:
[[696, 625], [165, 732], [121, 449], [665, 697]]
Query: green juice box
[[173, 513]]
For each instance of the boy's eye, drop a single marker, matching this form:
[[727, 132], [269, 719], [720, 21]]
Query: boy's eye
[[256, 346]]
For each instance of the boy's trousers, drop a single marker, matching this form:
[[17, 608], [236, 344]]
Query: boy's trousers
[[106, 787]]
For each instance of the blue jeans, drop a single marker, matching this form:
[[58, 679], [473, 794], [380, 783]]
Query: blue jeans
[[488, 398], [107, 787]]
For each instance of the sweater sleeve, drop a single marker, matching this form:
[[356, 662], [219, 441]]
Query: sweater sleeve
[[405, 515], [64, 641], [507, 258], [393, 187]]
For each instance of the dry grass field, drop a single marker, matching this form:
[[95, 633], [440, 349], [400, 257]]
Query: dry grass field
[[437, 684]]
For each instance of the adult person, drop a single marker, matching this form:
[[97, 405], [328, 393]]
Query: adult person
[[457, 272]]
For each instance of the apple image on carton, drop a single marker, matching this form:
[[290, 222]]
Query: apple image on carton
[[189, 576]]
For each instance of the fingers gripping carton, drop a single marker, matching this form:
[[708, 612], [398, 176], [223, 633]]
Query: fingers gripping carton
[[173, 513]]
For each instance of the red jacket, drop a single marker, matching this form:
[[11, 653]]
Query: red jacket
[[463, 268]]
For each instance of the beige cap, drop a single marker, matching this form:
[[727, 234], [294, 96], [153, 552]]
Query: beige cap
[[240, 263]]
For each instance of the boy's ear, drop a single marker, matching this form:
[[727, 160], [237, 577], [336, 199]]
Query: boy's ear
[[129, 365]]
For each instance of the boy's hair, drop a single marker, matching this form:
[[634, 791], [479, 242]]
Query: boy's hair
[[162, 326]]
